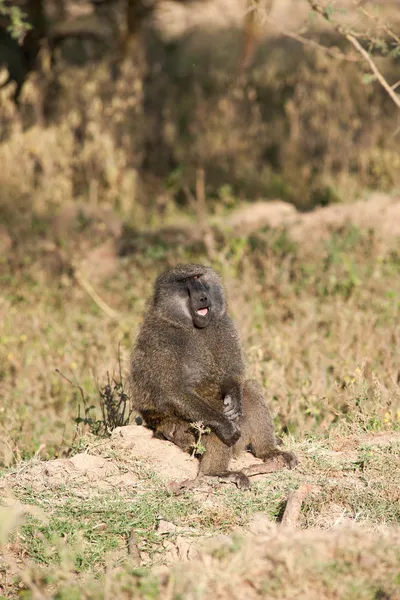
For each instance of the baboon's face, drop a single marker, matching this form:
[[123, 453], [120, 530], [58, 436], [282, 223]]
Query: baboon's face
[[190, 294], [196, 294]]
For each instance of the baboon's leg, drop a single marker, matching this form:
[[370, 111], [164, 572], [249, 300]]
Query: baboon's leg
[[258, 427], [177, 432], [170, 429], [215, 462]]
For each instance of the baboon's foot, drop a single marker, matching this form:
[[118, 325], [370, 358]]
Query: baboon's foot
[[180, 487], [276, 461], [290, 459], [177, 434], [271, 465], [237, 477]]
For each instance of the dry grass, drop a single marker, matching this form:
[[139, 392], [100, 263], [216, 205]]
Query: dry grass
[[343, 565], [347, 563], [66, 522], [319, 323]]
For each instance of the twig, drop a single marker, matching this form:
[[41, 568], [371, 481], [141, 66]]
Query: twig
[[75, 385], [199, 427], [133, 550], [309, 42], [110, 312], [201, 194], [199, 206], [374, 18], [395, 97], [351, 37], [293, 506]]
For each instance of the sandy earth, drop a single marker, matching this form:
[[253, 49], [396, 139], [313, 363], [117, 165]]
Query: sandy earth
[[134, 444], [379, 212], [115, 464]]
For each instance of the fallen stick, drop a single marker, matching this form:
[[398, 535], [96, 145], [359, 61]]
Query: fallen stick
[[133, 550], [293, 506], [94, 295]]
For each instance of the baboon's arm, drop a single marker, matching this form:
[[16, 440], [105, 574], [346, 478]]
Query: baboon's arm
[[192, 408]]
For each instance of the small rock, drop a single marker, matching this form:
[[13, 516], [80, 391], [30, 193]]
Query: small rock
[[186, 549], [165, 527]]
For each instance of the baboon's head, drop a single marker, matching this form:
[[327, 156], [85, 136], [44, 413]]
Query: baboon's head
[[189, 294]]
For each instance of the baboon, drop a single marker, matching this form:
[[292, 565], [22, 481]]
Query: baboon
[[188, 366]]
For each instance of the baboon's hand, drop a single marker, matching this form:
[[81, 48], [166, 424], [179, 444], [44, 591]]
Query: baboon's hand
[[228, 432], [291, 459], [232, 408]]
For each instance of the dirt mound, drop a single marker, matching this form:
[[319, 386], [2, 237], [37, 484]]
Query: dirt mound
[[166, 459], [84, 471], [174, 19], [132, 446], [273, 214], [380, 213], [113, 500]]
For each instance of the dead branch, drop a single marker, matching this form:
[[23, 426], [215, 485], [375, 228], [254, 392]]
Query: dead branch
[[293, 506], [110, 312], [389, 89], [333, 52], [352, 38], [133, 550]]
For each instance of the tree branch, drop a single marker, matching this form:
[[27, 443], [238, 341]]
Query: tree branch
[[333, 52], [293, 506], [94, 295], [395, 97], [351, 37]]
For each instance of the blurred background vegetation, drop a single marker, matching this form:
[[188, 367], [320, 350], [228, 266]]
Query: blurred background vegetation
[[136, 133], [267, 98]]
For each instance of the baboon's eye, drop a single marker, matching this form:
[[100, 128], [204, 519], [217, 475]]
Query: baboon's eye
[[184, 280], [195, 276]]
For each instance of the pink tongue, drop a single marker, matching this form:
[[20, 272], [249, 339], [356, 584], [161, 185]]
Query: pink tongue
[[202, 311]]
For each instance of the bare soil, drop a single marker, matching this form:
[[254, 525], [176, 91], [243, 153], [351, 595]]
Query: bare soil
[[380, 213]]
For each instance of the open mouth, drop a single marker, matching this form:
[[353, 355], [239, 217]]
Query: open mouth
[[202, 311]]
